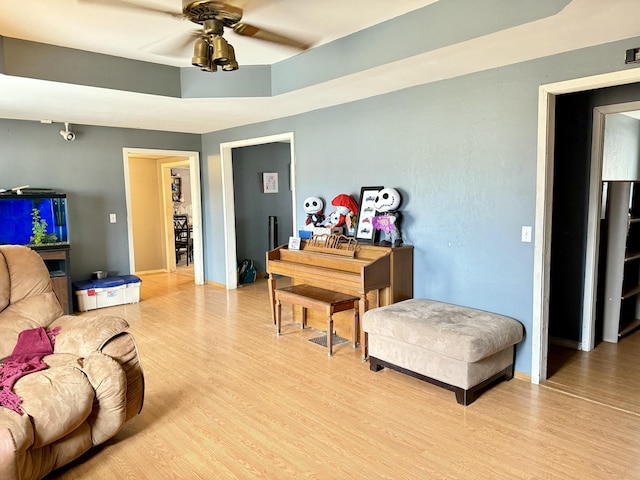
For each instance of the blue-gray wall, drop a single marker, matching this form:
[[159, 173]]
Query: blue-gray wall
[[463, 150], [90, 171]]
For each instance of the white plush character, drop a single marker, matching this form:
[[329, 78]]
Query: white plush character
[[386, 204], [313, 207]]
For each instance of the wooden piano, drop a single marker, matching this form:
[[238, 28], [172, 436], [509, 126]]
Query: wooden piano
[[379, 275]]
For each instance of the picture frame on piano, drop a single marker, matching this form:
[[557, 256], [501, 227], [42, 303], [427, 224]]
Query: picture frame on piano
[[294, 243], [365, 232]]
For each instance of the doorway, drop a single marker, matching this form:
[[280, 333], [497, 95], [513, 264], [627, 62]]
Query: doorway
[[180, 208], [591, 290], [150, 209], [601, 173], [544, 181], [226, 155], [262, 209]]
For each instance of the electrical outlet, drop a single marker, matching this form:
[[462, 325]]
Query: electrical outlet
[[112, 217], [526, 234]]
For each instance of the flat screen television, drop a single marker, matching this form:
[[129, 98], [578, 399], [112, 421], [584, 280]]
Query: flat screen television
[[38, 220]]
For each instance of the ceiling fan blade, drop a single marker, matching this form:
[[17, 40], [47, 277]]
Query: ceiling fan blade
[[269, 36], [134, 6], [177, 47]]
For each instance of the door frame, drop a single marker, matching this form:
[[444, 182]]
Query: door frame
[[167, 203], [196, 206], [593, 221], [229, 218], [544, 205]]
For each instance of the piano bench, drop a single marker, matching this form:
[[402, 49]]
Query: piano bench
[[315, 298], [458, 348]]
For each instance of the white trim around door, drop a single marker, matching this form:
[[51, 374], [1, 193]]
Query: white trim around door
[[544, 193], [196, 206], [231, 280]]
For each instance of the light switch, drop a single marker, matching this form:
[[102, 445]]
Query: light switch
[[112, 217], [526, 234]]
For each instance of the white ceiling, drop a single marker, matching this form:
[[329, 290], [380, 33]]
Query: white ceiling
[[130, 34], [88, 25]]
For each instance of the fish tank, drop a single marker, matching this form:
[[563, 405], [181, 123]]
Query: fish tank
[[34, 219]]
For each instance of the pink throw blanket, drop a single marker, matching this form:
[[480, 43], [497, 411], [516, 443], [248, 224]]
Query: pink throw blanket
[[26, 358]]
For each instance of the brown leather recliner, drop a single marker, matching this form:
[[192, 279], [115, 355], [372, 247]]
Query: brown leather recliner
[[92, 385]]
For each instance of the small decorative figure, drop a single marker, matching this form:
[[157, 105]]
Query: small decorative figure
[[313, 207], [386, 204], [344, 214]]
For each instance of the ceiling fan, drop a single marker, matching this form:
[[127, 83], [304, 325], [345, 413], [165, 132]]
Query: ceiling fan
[[211, 49]]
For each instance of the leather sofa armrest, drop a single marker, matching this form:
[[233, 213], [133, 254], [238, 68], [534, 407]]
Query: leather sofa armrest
[[82, 335]]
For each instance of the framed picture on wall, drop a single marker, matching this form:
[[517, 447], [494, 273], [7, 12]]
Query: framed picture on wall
[[270, 182], [176, 188], [365, 231]]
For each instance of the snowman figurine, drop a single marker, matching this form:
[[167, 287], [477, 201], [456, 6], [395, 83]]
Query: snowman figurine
[[386, 204]]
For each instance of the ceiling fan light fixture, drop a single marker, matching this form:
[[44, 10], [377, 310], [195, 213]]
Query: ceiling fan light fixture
[[213, 26], [200, 54], [214, 16], [212, 67], [220, 50], [233, 63]]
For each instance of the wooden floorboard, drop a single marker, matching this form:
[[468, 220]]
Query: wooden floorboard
[[609, 374], [227, 399]]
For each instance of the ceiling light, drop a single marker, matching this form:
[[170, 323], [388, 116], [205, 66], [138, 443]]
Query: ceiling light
[[233, 64], [220, 51], [212, 50], [200, 54], [210, 67]]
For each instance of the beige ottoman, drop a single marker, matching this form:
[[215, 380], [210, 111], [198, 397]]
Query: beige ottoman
[[458, 348]]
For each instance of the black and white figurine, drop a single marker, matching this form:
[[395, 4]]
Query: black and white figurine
[[313, 207], [387, 219]]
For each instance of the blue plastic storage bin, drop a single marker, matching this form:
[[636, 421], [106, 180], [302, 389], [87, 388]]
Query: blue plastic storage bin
[[107, 292]]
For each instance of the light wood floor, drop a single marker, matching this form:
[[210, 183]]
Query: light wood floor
[[227, 399], [610, 374]]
